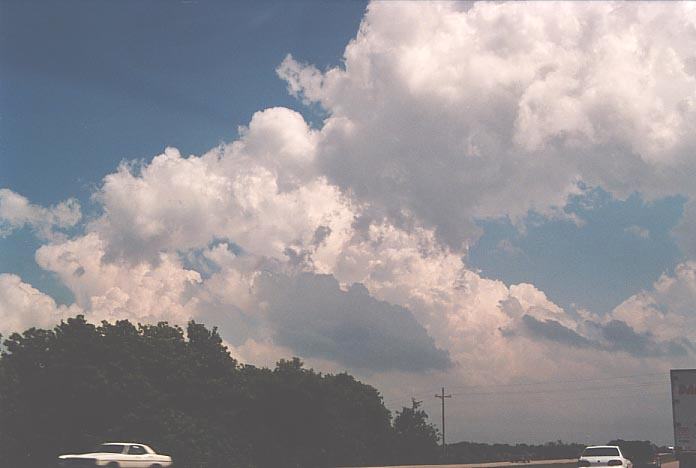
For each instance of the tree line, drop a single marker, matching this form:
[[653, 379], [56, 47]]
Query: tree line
[[70, 388], [67, 389], [474, 452], [640, 452]]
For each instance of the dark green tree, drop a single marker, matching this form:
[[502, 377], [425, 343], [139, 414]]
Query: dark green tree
[[641, 452], [68, 389], [415, 439]]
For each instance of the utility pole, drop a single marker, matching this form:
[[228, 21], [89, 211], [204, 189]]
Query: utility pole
[[442, 397]]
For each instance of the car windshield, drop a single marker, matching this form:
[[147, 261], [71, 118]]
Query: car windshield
[[600, 452], [110, 448]]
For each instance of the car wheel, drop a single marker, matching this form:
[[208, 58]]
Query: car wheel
[[156, 465], [112, 465]]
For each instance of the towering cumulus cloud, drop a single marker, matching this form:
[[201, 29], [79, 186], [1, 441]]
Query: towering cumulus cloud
[[347, 243], [453, 111]]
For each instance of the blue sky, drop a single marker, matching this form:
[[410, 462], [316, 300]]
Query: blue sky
[[421, 192], [87, 84], [90, 84], [617, 248]]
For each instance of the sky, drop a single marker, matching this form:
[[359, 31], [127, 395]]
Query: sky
[[494, 197]]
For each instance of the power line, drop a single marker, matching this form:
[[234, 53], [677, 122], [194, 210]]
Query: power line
[[573, 399], [553, 404], [596, 398], [549, 382], [565, 390]]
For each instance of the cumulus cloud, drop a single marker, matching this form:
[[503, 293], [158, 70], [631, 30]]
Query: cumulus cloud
[[653, 323], [666, 311], [23, 306], [237, 191], [615, 335], [221, 237], [622, 337], [16, 212], [193, 236], [144, 292], [183, 237], [452, 113]]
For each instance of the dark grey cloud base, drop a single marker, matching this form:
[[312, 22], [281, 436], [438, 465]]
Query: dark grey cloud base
[[615, 336], [314, 317]]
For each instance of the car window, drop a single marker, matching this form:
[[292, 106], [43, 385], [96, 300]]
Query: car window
[[110, 448], [600, 452], [136, 450]]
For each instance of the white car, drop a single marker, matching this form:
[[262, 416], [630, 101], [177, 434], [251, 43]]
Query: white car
[[603, 455], [117, 455]]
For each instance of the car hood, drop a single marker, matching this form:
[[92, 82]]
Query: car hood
[[85, 455], [108, 455]]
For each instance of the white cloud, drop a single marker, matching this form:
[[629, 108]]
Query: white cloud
[[254, 191], [452, 112], [118, 289], [667, 310], [23, 306], [16, 212]]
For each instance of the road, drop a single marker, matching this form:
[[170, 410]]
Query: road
[[537, 464], [570, 463]]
